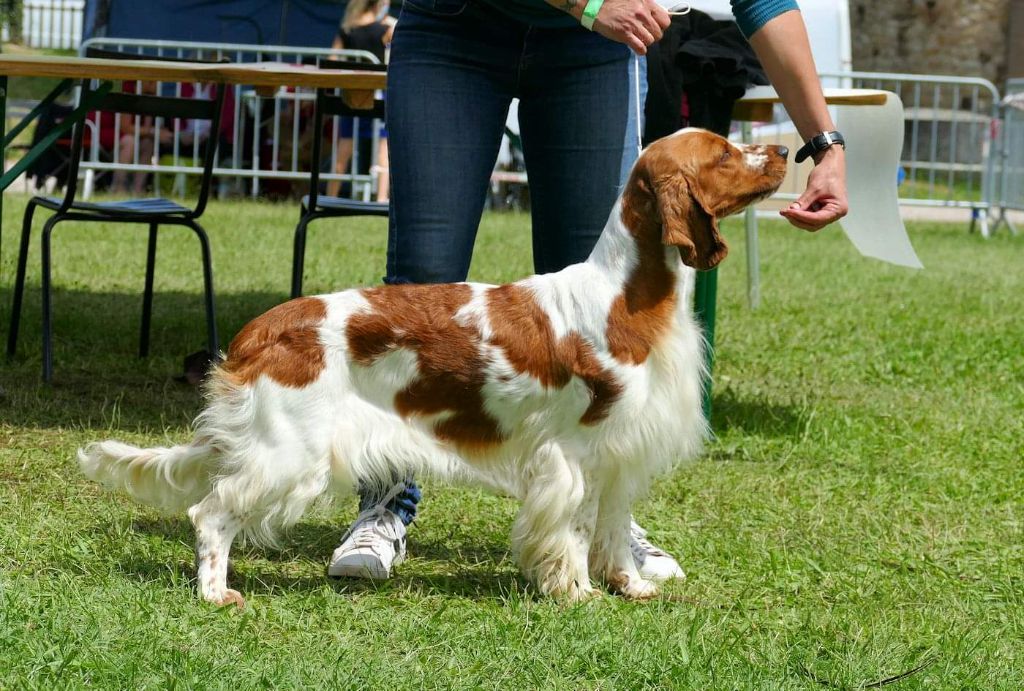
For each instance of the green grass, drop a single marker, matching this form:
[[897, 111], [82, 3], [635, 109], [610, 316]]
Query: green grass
[[860, 513], [940, 185]]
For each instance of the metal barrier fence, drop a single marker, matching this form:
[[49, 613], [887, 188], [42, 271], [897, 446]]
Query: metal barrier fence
[[267, 139], [950, 136], [52, 23], [950, 143], [1011, 160]]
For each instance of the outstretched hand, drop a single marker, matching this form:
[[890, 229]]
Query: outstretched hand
[[824, 200]]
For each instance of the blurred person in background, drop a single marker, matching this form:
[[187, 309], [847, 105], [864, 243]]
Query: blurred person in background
[[365, 26]]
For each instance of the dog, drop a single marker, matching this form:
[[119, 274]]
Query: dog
[[571, 391]]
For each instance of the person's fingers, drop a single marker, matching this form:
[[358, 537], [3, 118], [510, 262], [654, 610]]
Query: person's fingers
[[814, 218], [636, 23], [796, 219], [806, 200], [644, 34], [646, 20], [660, 16], [638, 46], [802, 226]]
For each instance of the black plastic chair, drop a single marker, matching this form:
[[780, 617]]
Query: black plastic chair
[[153, 212], [316, 205]]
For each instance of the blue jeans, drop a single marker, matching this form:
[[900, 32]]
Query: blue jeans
[[455, 67]]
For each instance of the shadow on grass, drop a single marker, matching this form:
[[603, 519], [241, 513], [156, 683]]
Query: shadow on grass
[[755, 416], [455, 567], [99, 380]]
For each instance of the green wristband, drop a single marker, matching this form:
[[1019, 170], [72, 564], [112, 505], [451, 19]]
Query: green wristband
[[590, 13]]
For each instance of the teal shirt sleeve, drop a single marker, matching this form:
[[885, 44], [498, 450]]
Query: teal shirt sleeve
[[751, 15]]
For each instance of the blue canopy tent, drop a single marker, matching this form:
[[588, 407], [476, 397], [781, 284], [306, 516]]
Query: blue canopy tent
[[261, 22]]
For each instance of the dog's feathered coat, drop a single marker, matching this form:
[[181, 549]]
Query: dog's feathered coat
[[570, 390]]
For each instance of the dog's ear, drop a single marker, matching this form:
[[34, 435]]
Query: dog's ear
[[688, 225]]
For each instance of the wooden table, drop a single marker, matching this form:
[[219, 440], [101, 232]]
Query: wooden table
[[266, 76], [357, 88], [758, 104]]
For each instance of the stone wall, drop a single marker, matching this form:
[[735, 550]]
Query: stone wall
[[955, 37]]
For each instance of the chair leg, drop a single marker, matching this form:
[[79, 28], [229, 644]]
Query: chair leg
[[47, 309], [147, 294], [19, 281], [213, 344], [299, 254]]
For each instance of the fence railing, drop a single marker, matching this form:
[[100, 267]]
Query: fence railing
[[50, 24], [951, 139], [1011, 159], [268, 139], [950, 136]]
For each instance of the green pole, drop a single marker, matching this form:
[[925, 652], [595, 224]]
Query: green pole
[[706, 294]]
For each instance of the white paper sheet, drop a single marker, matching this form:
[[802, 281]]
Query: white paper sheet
[[874, 136]]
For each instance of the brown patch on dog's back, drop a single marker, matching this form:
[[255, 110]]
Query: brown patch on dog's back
[[421, 318], [524, 332], [283, 344]]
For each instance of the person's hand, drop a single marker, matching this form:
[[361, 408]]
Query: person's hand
[[824, 200], [637, 23]]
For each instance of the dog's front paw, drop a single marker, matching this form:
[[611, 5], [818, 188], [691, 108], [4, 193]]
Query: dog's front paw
[[632, 587], [580, 592], [227, 597]]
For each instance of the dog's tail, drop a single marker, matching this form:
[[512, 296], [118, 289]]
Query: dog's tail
[[169, 478]]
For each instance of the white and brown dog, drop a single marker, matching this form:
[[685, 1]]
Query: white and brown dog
[[571, 390]]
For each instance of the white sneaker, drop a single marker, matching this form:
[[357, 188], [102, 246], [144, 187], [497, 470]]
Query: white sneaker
[[372, 547], [654, 564]]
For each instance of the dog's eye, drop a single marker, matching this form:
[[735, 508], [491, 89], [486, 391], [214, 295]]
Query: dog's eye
[[725, 156]]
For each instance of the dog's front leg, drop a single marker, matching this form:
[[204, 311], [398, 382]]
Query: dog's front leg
[[216, 528], [610, 557], [551, 536]]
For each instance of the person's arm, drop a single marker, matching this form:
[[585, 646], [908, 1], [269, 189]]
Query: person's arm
[[782, 46], [390, 23], [637, 23]]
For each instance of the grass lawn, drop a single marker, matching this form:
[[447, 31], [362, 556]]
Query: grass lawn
[[860, 514]]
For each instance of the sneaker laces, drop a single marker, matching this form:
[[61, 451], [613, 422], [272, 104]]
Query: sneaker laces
[[639, 544], [373, 523]]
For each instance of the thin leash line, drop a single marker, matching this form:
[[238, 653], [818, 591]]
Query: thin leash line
[[639, 113], [676, 10]]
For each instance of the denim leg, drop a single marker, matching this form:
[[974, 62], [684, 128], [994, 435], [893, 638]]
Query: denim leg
[[403, 504], [573, 119], [450, 83]]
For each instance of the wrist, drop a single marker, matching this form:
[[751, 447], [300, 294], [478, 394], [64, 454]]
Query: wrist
[[820, 143], [832, 153], [589, 15]]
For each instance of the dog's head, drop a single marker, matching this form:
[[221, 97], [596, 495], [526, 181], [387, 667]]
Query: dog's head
[[685, 182]]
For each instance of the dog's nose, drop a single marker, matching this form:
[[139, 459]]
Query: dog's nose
[[783, 151]]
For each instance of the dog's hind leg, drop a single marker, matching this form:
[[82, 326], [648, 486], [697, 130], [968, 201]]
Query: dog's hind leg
[[610, 557], [216, 528], [551, 535]]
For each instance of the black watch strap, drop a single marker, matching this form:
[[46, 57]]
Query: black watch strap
[[818, 143]]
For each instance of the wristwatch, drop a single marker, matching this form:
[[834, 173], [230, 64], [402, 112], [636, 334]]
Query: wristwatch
[[819, 143]]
